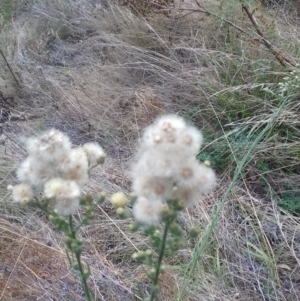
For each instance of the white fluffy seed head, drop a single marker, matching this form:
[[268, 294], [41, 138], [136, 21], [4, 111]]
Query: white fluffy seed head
[[164, 132], [189, 197], [36, 172], [167, 158], [50, 146], [24, 170], [95, 153], [190, 139], [74, 166], [185, 195], [21, 193], [146, 211], [155, 163], [53, 188], [196, 180], [207, 179], [170, 123], [171, 133], [32, 145], [65, 193], [153, 187], [187, 173], [55, 168]]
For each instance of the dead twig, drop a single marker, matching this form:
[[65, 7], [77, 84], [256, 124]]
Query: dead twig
[[8, 65], [208, 13], [283, 59]]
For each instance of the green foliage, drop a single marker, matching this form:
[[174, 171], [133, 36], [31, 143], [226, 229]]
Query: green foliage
[[191, 113], [225, 152], [290, 201], [7, 8], [238, 109], [217, 153]]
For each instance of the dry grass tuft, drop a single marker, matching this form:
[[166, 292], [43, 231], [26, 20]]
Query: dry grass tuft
[[31, 270]]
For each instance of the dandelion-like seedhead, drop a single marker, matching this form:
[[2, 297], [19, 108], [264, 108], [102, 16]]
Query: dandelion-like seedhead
[[147, 211], [57, 169], [65, 193], [52, 176], [21, 193], [75, 166], [49, 146], [167, 159], [171, 133], [94, 152]]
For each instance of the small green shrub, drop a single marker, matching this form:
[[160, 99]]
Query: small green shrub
[[7, 8], [290, 202]]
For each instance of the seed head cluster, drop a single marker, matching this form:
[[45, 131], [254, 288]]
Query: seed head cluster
[[56, 169], [167, 168]]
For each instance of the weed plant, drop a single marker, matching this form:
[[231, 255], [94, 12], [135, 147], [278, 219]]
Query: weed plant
[[167, 178]]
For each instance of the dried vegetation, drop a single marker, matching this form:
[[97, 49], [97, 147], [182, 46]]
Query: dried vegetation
[[102, 71]]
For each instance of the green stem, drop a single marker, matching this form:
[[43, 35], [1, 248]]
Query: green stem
[[83, 279], [160, 257]]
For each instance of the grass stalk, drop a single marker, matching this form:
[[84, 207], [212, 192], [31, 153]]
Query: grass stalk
[[203, 241]]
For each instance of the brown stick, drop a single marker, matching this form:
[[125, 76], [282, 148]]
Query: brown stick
[[9, 68], [283, 60], [208, 13]]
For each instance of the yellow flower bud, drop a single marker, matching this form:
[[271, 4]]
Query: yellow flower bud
[[206, 163], [133, 227], [148, 252], [122, 213], [119, 200]]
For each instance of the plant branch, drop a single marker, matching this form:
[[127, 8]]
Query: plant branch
[[283, 59], [208, 13], [2, 54], [160, 256], [86, 289]]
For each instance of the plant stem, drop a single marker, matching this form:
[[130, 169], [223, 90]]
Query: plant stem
[[9, 68], [160, 257], [83, 279]]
